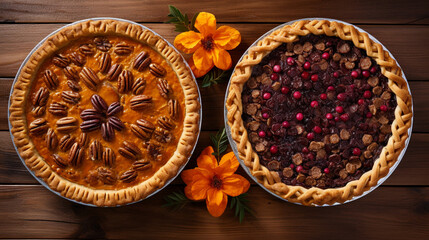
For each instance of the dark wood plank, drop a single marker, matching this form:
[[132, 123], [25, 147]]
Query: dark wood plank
[[387, 213], [385, 11], [409, 50], [411, 171]]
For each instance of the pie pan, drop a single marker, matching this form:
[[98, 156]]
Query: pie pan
[[273, 186], [159, 184]]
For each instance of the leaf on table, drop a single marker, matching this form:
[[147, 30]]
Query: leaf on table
[[176, 200], [220, 143], [215, 76], [241, 208], [180, 21]]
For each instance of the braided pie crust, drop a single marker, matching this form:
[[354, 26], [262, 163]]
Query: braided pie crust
[[389, 155]]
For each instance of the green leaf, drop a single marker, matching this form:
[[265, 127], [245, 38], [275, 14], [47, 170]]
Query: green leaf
[[241, 208], [215, 76], [220, 143], [194, 18], [176, 200], [180, 21]]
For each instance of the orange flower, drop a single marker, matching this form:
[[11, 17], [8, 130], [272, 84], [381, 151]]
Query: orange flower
[[209, 45], [214, 182]]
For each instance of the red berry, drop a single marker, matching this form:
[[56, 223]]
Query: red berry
[[285, 90], [285, 124], [339, 109], [328, 43], [305, 75], [290, 61], [297, 95], [329, 116], [310, 136], [274, 76], [373, 70], [292, 166], [299, 168], [267, 95], [277, 68], [325, 55], [307, 65], [274, 149], [305, 150], [361, 101], [356, 151], [331, 88], [367, 94], [317, 129], [341, 97], [326, 170], [261, 134], [383, 108], [299, 116], [310, 156], [265, 115], [323, 96], [355, 74], [314, 77], [344, 117], [336, 74], [337, 119], [365, 74], [314, 104], [368, 115]]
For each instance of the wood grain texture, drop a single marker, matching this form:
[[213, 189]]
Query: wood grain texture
[[409, 51], [387, 213], [365, 11]]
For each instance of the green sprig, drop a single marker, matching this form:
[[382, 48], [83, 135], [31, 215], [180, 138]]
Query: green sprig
[[241, 208], [215, 76], [177, 200], [220, 143], [180, 21]]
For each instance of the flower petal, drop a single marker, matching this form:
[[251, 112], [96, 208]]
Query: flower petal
[[203, 60], [200, 188], [228, 165], [188, 175], [205, 23], [227, 37], [197, 72], [188, 42], [206, 162], [221, 58], [216, 208], [235, 185]]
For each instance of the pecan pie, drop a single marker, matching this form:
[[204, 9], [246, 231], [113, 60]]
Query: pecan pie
[[105, 112], [319, 111]]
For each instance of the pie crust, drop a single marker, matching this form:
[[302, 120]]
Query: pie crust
[[389, 155], [20, 95]]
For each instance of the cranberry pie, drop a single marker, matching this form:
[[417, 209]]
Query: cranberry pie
[[319, 111], [105, 112]]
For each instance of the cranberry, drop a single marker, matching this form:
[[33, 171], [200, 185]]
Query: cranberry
[[329, 116], [310, 136], [317, 129], [262, 134], [314, 77], [299, 116], [341, 97], [344, 117], [307, 65], [331, 88], [368, 115], [325, 55], [356, 151], [337, 119], [336, 74], [267, 95], [339, 109], [383, 108], [297, 95], [328, 43], [310, 156], [274, 149], [290, 61], [326, 170], [299, 168], [355, 74], [286, 124], [367, 94], [314, 104], [265, 115], [361, 101], [365, 74], [305, 150], [373, 69], [274, 76], [323, 96], [285, 90], [305, 75], [292, 166], [277, 68]]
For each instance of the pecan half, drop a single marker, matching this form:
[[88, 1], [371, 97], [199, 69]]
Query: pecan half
[[66, 142], [107, 176], [38, 126], [114, 109], [141, 61], [108, 157], [163, 87], [99, 104], [123, 49], [125, 81], [67, 124], [40, 98], [129, 150], [128, 176], [83, 140], [157, 70], [166, 123], [38, 111], [141, 165], [102, 44], [74, 86], [142, 129], [61, 162], [58, 109], [140, 102], [107, 131], [95, 151], [173, 109], [50, 79], [70, 97], [78, 59], [87, 49], [105, 62], [89, 114], [114, 72], [116, 123], [51, 139], [90, 125], [89, 77], [61, 61], [162, 135], [75, 155], [139, 86]]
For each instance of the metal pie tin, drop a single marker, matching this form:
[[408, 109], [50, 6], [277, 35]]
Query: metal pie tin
[[40, 180], [234, 144]]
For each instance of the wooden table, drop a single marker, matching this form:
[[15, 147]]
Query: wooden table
[[399, 209]]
